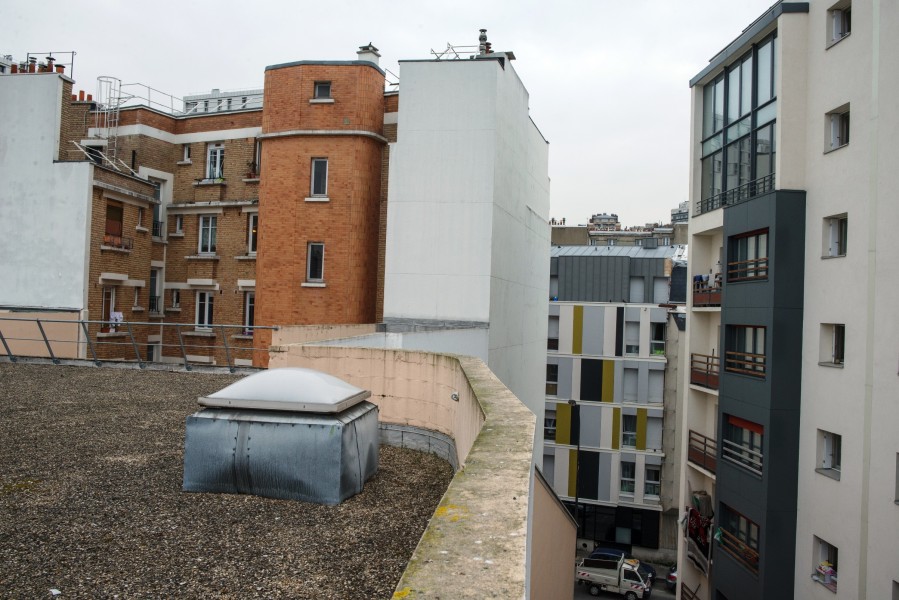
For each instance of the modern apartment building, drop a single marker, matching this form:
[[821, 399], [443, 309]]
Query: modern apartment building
[[611, 378], [789, 485]]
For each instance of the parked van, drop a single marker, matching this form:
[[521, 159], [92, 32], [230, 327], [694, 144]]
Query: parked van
[[621, 576]]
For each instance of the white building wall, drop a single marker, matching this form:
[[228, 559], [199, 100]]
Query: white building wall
[[45, 207], [468, 211]]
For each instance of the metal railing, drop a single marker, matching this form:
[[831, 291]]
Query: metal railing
[[705, 294], [118, 241], [749, 459], [740, 551], [745, 363], [122, 341], [552, 343], [702, 450], [158, 228], [742, 270], [704, 370], [738, 195], [155, 306]]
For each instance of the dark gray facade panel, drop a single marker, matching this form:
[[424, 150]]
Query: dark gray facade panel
[[553, 266], [605, 476], [594, 323], [603, 278], [678, 290]]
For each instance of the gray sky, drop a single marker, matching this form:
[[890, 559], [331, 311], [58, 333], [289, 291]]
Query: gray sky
[[608, 81]]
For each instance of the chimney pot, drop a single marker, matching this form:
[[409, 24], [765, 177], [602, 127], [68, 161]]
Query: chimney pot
[[90, 97], [80, 95], [15, 68]]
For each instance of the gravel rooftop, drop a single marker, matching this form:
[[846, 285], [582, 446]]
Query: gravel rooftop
[[91, 462]]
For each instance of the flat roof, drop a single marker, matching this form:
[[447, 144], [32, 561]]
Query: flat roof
[[629, 251]]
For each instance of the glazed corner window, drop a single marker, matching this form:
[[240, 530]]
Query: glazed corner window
[[322, 89], [319, 176], [839, 21], [207, 234], [204, 310], [836, 234], [552, 380], [629, 431], [838, 127], [315, 262], [252, 232], [833, 344], [830, 453], [215, 161]]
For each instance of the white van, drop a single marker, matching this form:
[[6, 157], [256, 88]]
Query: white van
[[620, 576]]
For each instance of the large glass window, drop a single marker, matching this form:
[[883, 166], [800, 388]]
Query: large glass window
[[208, 225], [748, 256], [743, 443], [745, 352], [740, 538]]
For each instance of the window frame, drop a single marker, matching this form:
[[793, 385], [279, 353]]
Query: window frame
[[826, 562], [208, 223], [829, 454], [835, 236], [552, 379], [252, 233], [629, 434], [748, 344], [743, 444], [624, 481], [832, 345], [839, 22], [205, 302], [310, 258], [839, 128], [650, 484], [749, 256], [176, 298], [323, 188], [249, 312], [744, 531], [215, 161], [320, 86], [179, 224]]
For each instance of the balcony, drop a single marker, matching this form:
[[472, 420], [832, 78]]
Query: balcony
[[744, 270], [745, 363], [704, 370], [118, 242], [155, 305], [702, 451], [738, 195], [158, 228], [742, 553], [744, 457], [706, 293]]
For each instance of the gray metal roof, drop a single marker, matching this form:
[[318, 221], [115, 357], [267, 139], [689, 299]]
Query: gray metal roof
[[629, 251]]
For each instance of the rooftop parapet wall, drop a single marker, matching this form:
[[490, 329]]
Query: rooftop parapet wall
[[480, 527]]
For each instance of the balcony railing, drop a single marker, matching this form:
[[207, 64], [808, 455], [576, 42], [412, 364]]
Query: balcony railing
[[118, 241], [738, 195], [749, 459], [552, 343], [704, 370], [158, 228], [745, 363], [740, 551], [702, 451], [706, 294], [155, 306], [754, 268]]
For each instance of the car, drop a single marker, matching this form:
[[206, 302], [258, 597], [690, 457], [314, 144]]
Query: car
[[646, 569], [671, 579]]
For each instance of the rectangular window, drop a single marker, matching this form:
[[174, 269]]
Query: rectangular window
[[632, 337], [552, 380], [629, 431], [745, 352], [155, 306], [319, 176], [830, 449], [140, 216], [628, 477], [322, 89], [176, 298], [749, 256], [315, 262], [740, 538], [108, 310], [552, 341], [838, 127], [657, 339], [826, 560], [629, 385], [207, 234], [653, 484], [742, 444], [204, 310], [839, 23], [252, 231], [185, 152], [835, 236], [215, 161], [179, 224], [114, 219], [832, 347], [549, 426], [249, 312]]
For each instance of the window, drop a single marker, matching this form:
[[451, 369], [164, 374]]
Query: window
[[207, 234], [628, 477], [204, 310], [215, 161], [249, 309], [315, 262], [549, 426], [136, 302], [140, 216], [154, 304], [629, 385], [185, 152], [740, 538], [832, 345], [749, 256], [631, 337], [657, 339], [839, 21], [836, 234], [322, 89], [319, 176], [745, 352], [552, 341], [638, 242], [179, 224], [112, 236], [829, 453], [612, 242], [176, 298], [108, 310], [838, 127], [552, 380], [252, 231], [743, 443], [653, 484], [826, 561], [95, 154], [629, 431]]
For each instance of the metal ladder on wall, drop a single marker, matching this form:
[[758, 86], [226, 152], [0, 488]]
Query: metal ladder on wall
[[109, 101]]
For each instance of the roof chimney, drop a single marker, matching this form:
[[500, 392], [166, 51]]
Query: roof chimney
[[368, 53]]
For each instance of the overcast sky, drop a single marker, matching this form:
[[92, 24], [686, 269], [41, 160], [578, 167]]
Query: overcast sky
[[608, 80]]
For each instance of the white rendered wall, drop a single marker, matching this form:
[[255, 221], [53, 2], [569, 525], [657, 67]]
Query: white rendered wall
[[44, 206], [467, 232]]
